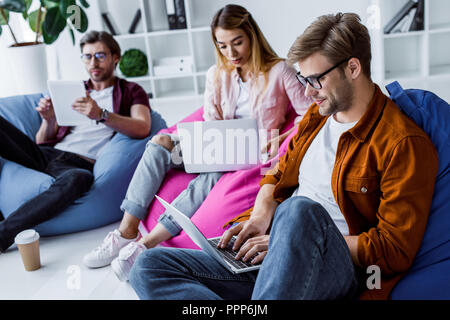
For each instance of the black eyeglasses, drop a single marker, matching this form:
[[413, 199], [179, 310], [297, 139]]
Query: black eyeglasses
[[100, 56], [314, 81]]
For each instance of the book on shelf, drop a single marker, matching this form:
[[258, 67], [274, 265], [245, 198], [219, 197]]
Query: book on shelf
[[180, 13], [171, 14], [404, 11], [135, 22], [110, 24], [418, 21], [404, 25]]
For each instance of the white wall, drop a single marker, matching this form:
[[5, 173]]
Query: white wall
[[281, 21]]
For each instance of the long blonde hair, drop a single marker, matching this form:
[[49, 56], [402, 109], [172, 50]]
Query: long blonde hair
[[262, 57]]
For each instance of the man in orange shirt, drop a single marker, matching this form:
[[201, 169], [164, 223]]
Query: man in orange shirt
[[353, 191]]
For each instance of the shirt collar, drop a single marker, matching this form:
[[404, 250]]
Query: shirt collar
[[364, 126]]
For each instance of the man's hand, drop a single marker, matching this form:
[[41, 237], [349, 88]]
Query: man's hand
[[45, 109], [88, 107], [250, 233], [256, 228], [257, 245]]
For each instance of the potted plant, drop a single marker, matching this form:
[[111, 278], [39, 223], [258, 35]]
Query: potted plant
[[28, 59]]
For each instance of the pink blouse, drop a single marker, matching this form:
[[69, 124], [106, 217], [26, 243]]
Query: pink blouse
[[269, 105]]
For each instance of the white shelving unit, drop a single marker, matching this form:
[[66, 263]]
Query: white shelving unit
[[417, 59], [154, 38]]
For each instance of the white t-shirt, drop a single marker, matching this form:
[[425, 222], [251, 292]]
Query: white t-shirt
[[243, 110], [89, 139], [317, 166]]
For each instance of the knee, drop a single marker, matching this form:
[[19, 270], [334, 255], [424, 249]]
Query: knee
[[143, 269], [79, 177], [147, 260], [163, 140], [297, 213]]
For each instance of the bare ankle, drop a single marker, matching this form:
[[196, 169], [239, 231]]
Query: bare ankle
[[128, 234]]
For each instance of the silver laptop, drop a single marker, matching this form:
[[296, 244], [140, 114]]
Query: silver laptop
[[219, 146], [223, 256]]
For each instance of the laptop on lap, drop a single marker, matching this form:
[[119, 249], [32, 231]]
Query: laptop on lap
[[223, 256]]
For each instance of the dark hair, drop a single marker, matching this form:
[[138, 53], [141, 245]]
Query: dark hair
[[336, 36], [101, 36]]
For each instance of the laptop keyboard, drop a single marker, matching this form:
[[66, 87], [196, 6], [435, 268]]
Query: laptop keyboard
[[228, 254]]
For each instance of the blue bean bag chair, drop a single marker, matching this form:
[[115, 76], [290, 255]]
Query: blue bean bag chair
[[429, 276], [112, 171]]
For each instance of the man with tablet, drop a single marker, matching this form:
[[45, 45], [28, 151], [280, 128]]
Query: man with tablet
[[68, 153]]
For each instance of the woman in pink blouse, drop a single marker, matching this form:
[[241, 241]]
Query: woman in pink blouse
[[248, 81]]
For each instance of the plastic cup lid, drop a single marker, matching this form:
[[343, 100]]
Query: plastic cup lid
[[26, 236]]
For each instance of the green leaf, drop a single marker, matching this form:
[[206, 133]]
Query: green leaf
[[32, 20], [2, 21], [54, 22], [13, 5], [50, 4], [48, 39], [28, 5], [84, 3], [64, 7]]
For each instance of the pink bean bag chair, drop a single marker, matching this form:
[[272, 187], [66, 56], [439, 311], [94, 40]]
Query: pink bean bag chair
[[233, 194]]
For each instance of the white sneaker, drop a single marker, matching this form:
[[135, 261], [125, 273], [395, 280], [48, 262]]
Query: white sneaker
[[127, 256], [107, 251]]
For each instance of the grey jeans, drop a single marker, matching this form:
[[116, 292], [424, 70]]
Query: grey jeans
[[148, 177]]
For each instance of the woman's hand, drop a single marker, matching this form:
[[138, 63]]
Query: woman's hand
[[274, 144], [271, 149]]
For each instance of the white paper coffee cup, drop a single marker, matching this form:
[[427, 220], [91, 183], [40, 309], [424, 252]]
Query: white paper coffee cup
[[28, 243]]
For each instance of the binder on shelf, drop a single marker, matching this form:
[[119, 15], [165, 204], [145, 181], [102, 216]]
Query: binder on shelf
[[418, 21], [134, 23], [110, 25], [180, 13], [411, 4], [171, 14], [173, 66]]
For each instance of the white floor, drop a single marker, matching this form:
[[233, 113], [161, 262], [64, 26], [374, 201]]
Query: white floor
[[62, 275]]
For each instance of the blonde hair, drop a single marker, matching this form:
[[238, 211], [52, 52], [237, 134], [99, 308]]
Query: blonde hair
[[337, 37], [262, 57]]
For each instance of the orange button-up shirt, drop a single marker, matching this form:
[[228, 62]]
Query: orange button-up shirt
[[383, 181]]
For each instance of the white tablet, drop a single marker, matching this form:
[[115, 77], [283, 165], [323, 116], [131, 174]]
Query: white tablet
[[63, 94]]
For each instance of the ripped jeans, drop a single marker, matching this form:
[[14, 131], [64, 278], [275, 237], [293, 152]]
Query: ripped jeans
[[148, 177]]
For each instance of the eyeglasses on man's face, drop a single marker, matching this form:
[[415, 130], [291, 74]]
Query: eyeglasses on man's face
[[99, 56], [314, 81]]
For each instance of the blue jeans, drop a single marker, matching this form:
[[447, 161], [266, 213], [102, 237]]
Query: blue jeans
[[308, 258], [147, 179]]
